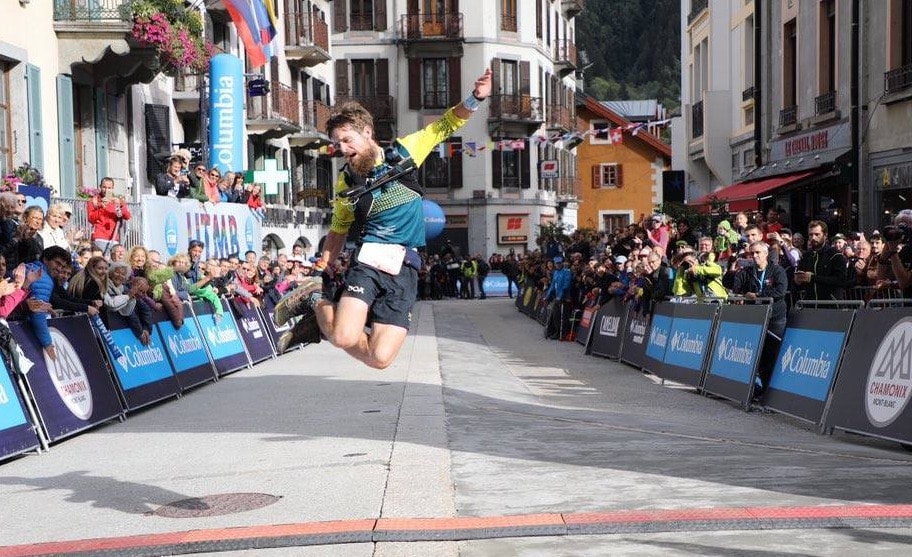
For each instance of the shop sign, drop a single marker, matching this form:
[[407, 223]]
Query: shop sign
[[834, 140], [512, 228], [894, 176]]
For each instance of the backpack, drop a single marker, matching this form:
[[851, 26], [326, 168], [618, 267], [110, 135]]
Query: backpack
[[483, 267]]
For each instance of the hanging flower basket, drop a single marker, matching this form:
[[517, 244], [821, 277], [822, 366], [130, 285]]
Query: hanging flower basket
[[25, 174], [175, 32]]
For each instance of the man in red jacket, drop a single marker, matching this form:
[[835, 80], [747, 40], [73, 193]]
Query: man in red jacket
[[105, 214]]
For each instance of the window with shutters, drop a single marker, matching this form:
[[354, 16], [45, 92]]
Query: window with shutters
[[511, 168], [508, 15], [509, 78], [362, 15], [443, 167], [6, 160], [364, 79], [434, 83], [607, 175]]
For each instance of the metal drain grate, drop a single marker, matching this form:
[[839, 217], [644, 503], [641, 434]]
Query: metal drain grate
[[216, 505]]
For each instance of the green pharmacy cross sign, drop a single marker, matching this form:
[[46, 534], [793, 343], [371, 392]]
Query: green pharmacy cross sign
[[271, 177]]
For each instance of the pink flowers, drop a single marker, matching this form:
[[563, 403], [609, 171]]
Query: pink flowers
[[178, 49]]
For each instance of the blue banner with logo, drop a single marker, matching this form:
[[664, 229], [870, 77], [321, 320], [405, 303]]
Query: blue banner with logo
[[222, 337], [17, 433], [226, 113], [144, 373], [495, 285], [186, 350], [873, 388], [736, 352], [659, 334], [806, 364], [253, 330], [688, 343], [225, 229], [75, 391], [608, 329]]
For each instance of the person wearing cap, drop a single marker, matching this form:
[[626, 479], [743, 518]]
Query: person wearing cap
[[381, 283]]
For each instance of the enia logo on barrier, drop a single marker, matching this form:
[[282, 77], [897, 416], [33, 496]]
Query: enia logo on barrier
[[609, 325], [69, 377], [729, 350], [889, 384]]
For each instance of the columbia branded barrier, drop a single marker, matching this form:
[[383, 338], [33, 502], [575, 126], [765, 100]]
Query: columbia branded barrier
[[679, 341], [73, 392], [226, 348], [143, 372], [269, 320], [874, 384], [807, 362], [607, 329], [735, 353], [186, 349], [657, 340], [253, 330], [17, 433]]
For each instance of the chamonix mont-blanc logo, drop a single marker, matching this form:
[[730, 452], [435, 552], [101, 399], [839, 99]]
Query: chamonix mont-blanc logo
[[887, 392], [69, 377]]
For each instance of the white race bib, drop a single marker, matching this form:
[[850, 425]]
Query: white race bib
[[383, 257]]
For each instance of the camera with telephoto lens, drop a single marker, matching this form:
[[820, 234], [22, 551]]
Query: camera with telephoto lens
[[898, 233]]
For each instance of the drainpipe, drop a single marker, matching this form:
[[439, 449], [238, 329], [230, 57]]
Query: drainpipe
[[758, 90], [855, 93]]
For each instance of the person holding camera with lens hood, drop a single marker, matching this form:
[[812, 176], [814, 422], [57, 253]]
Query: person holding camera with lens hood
[[895, 261]]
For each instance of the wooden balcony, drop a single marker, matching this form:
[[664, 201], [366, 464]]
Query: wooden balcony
[[276, 114], [511, 115], [431, 27], [564, 57], [559, 118], [306, 39], [313, 126]]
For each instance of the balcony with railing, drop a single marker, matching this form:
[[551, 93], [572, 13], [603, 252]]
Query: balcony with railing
[[306, 39], [898, 80], [697, 7], [696, 117], [564, 56], [572, 7], [568, 188], [508, 23], [825, 104], [431, 27], [276, 114], [514, 115], [101, 31], [381, 107], [748, 94], [314, 115], [559, 118], [788, 116]]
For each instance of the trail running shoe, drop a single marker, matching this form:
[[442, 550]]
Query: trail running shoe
[[299, 301], [305, 331]]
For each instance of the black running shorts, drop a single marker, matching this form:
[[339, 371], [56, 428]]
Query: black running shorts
[[390, 298]]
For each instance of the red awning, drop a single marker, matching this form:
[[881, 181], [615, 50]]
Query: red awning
[[743, 196]]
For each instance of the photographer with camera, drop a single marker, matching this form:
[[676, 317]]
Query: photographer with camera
[[106, 213], [895, 262], [697, 274]]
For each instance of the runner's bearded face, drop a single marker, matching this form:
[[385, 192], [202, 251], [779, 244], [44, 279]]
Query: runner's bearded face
[[357, 147]]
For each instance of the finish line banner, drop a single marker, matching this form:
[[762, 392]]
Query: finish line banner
[[17, 434], [874, 384], [75, 391], [736, 352], [806, 365]]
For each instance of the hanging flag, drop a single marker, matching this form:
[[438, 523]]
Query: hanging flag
[[637, 128], [256, 25], [616, 135], [452, 149], [518, 144], [469, 148], [441, 150]]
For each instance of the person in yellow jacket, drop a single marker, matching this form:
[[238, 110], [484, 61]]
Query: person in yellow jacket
[[698, 274], [469, 273]]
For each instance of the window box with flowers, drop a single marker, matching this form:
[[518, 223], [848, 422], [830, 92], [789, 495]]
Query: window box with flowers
[[24, 175], [176, 33]]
